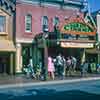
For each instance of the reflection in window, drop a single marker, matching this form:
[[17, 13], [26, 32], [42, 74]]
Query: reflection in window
[[2, 24], [55, 21], [28, 23], [45, 23]]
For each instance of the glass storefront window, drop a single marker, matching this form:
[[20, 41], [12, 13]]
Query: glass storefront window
[[2, 23]]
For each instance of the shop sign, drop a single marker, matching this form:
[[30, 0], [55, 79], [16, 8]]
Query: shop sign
[[76, 45], [78, 28]]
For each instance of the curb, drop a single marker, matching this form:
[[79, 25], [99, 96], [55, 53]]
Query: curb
[[19, 85]]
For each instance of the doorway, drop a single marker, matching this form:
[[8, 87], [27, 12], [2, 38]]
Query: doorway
[[4, 63]]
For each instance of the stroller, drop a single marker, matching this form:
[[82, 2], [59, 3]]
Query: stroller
[[29, 71]]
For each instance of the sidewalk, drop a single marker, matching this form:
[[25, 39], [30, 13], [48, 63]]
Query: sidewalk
[[20, 80]]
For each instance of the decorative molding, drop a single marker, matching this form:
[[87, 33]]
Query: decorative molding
[[23, 40], [70, 4]]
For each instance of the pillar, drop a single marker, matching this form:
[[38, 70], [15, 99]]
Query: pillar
[[45, 58], [11, 63], [18, 58], [98, 34], [83, 57]]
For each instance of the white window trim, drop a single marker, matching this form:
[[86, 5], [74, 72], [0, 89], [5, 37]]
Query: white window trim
[[4, 32], [28, 31]]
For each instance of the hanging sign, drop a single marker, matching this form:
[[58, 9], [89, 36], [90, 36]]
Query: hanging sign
[[76, 45]]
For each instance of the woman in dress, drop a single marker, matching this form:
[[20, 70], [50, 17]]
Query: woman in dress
[[51, 68]]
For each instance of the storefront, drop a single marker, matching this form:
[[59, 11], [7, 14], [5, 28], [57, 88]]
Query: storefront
[[7, 47], [77, 34], [26, 53], [7, 57], [73, 38]]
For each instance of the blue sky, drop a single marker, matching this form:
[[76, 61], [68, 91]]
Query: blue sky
[[94, 5]]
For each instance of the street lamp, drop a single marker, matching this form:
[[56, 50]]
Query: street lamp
[[45, 35]]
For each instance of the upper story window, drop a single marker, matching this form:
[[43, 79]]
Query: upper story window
[[28, 23], [55, 21], [2, 23], [45, 23]]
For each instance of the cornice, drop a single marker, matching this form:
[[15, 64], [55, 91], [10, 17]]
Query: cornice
[[70, 3]]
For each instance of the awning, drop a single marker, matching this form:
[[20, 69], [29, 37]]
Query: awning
[[92, 51], [7, 46]]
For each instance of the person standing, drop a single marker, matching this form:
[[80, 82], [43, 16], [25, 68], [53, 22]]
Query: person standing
[[74, 62], [51, 68], [69, 66], [31, 69], [60, 65], [84, 68]]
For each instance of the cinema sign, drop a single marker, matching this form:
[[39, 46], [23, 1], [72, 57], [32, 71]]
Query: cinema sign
[[76, 45], [77, 26]]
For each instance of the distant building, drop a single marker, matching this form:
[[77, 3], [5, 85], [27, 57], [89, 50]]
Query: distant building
[[60, 21], [7, 34], [96, 17]]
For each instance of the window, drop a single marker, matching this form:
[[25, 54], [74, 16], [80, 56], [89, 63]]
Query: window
[[45, 23], [28, 23], [55, 21], [2, 24]]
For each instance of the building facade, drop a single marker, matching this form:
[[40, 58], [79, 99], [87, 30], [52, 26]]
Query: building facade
[[41, 30], [7, 48], [96, 16]]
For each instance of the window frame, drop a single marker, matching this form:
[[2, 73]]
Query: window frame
[[30, 22], [5, 24], [45, 23], [56, 21], [45, 20]]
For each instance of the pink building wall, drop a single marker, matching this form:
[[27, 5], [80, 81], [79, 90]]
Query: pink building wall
[[37, 12]]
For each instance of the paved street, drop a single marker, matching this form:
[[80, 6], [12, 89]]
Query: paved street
[[71, 89], [74, 87], [87, 85]]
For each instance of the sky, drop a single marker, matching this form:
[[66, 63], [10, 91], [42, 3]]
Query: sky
[[94, 5]]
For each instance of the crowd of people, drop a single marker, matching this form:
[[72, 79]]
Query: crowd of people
[[60, 67]]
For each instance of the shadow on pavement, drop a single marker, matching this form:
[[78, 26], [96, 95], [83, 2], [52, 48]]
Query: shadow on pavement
[[47, 94]]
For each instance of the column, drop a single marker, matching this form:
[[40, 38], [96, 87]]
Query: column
[[11, 63], [18, 58], [98, 34], [98, 47], [83, 57]]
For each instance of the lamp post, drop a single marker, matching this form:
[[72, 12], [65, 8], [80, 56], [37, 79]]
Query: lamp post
[[45, 35]]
